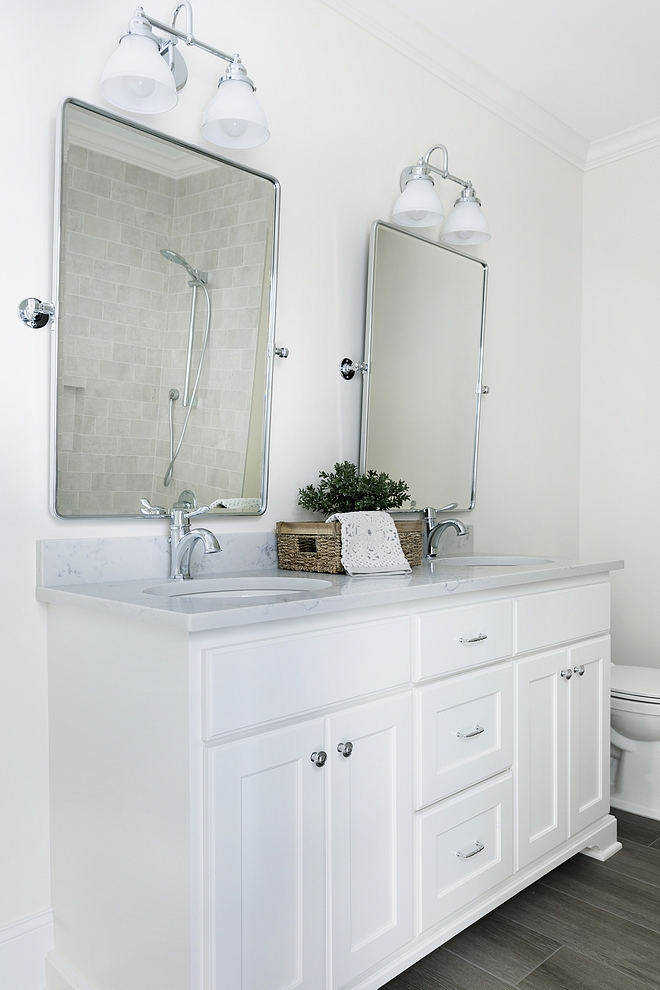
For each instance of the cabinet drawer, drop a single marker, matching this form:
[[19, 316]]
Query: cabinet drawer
[[465, 732], [464, 848], [251, 685], [559, 616], [455, 638]]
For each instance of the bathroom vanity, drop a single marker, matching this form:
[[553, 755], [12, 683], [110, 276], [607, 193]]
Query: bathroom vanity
[[316, 790]]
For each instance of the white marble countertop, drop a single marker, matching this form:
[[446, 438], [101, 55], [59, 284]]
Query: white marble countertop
[[129, 598]]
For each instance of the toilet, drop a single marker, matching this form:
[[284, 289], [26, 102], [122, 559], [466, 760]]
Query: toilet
[[635, 736]]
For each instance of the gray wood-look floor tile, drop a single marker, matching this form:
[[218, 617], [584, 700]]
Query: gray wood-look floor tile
[[588, 930], [637, 861], [502, 948], [637, 829], [617, 893], [442, 970], [568, 970]]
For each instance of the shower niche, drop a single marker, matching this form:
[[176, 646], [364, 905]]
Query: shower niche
[[165, 269]]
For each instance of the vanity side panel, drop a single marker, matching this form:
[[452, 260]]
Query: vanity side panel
[[120, 804]]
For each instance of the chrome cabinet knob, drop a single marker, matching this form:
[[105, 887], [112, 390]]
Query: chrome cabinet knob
[[579, 670], [318, 759], [345, 749], [568, 673]]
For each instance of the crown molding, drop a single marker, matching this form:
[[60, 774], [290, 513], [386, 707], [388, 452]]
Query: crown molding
[[624, 144], [417, 42]]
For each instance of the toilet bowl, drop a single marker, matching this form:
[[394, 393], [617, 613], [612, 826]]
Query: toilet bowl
[[635, 713]]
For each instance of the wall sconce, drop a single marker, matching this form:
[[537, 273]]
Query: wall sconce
[[147, 71], [419, 205]]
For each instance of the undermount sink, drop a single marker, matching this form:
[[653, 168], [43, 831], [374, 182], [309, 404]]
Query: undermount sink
[[242, 588], [491, 560]]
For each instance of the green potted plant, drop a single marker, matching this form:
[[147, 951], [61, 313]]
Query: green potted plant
[[344, 490], [316, 546]]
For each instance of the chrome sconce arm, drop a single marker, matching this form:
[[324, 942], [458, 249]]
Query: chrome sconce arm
[[419, 206]]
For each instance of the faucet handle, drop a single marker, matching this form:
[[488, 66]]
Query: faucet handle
[[199, 511], [151, 510]]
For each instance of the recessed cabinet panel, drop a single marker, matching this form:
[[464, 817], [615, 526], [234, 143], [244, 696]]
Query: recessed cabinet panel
[[542, 752], [456, 638], [590, 733], [259, 683], [265, 862], [465, 847], [465, 732], [371, 834], [559, 616]]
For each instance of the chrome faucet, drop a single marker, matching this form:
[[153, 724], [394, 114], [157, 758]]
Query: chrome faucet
[[433, 530], [182, 537]]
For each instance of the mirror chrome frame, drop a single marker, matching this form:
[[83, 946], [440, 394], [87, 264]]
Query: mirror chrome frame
[[366, 377], [57, 240]]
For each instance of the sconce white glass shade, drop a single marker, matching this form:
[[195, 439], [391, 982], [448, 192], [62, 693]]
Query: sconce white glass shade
[[418, 205], [136, 77], [465, 225], [234, 118]]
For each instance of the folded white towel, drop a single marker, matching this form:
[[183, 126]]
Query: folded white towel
[[370, 543], [236, 503]]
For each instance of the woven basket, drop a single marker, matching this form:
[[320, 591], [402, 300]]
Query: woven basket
[[317, 546]]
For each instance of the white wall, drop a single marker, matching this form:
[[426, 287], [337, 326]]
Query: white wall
[[346, 114], [620, 488]]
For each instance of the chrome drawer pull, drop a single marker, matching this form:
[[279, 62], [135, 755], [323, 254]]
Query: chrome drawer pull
[[478, 729], [568, 673], [479, 847], [318, 759], [476, 639], [579, 670]]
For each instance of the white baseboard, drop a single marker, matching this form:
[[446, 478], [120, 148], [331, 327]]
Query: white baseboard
[[23, 948], [635, 809], [60, 975]]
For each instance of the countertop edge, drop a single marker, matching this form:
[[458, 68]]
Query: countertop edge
[[336, 600]]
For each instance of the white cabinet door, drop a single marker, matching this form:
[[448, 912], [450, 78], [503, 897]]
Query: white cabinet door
[[590, 733], [265, 851], [370, 834], [542, 754]]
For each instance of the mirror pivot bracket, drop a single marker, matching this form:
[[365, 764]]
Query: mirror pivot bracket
[[347, 368], [34, 313]]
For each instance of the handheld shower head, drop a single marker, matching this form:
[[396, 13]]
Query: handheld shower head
[[178, 260]]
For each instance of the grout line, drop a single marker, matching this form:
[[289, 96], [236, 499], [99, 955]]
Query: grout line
[[613, 969], [480, 968], [598, 907], [544, 962]]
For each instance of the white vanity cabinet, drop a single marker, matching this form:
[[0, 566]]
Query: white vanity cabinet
[[563, 744], [284, 806], [317, 801]]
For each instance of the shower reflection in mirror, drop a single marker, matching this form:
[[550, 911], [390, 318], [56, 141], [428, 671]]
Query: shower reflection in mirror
[[197, 281]]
